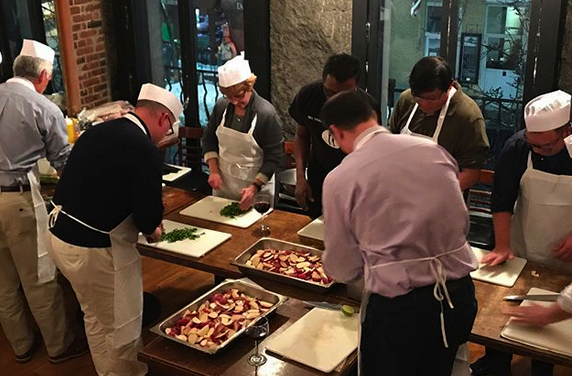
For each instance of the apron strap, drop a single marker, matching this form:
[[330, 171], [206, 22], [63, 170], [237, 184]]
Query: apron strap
[[253, 125], [53, 217], [440, 291]]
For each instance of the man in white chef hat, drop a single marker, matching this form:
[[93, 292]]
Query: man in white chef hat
[[110, 191], [534, 172], [31, 127]]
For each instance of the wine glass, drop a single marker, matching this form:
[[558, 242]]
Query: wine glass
[[257, 331], [262, 205]]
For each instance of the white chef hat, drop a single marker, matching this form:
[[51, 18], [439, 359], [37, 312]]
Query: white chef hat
[[547, 111], [234, 71], [36, 49], [0, 57], [163, 96]]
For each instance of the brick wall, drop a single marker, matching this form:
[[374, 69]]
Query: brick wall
[[91, 58]]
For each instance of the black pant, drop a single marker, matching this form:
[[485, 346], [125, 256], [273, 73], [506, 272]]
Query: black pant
[[499, 363], [316, 176], [402, 335]]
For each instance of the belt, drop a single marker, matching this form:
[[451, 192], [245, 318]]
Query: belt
[[15, 188]]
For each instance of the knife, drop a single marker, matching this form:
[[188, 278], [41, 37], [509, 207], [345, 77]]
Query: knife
[[326, 305], [169, 169], [543, 298]]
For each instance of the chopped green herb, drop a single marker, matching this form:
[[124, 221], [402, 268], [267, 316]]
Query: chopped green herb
[[179, 234], [232, 210]]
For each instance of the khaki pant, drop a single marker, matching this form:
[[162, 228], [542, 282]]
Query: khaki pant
[[91, 274], [19, 267]]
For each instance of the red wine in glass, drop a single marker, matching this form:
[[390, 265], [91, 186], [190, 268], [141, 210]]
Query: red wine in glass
[[262, 207], [258, 331]]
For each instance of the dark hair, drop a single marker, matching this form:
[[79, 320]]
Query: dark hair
[[342, 67], [430, 73], [347, 109]]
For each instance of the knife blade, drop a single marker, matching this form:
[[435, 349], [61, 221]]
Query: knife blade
[[326, 305], [541, 297]]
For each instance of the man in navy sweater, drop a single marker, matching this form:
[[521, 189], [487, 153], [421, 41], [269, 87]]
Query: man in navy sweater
[[110, 190]]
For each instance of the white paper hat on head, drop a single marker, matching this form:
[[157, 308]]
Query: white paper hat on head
[[37, 49], [234, 71], [165, 97], [547, 111]]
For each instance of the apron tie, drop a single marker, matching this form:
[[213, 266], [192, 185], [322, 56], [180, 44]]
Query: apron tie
[[440, 291], [53, 217]]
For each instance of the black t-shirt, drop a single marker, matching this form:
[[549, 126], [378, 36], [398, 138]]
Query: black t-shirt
[[306, 108], [114, 170], [325, 154]]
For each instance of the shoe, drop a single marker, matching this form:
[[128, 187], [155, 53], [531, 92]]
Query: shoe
[[27, 356], [77, 348], [481, 367]]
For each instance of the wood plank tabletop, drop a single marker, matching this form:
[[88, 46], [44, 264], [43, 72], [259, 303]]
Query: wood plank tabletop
[[284, 226], [167, 358], [490, 320]]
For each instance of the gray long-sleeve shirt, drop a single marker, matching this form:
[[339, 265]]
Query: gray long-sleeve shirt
[[267, 133], [395, 199], [31, 127]]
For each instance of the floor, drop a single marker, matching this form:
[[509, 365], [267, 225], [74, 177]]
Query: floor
[[175, 286]]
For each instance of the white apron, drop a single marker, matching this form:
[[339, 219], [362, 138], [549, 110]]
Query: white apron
[[542, 216], [46, 267], [440, 120], [240, 159], [461, 364], [128, 281]]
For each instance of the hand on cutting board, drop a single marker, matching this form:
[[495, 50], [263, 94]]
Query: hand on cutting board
[[156, 235], [563, 250], [498, 256], [247, 197], [536, 314], [215, 181]]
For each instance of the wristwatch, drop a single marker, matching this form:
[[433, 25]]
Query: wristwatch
[[257, 185]]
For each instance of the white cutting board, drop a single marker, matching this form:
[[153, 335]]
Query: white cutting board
[[555, 337], [314, 229], [504, 275], [209, 208], [175, 175], [321, 339], [196, 247]]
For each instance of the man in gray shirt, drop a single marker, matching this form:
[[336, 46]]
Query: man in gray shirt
[[395, 215], [31, 127]]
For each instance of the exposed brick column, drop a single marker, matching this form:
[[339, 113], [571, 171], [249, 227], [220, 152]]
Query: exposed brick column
[[91, 57]]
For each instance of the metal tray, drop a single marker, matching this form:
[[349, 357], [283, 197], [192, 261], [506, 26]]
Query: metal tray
[[247, 288], [263, 243]]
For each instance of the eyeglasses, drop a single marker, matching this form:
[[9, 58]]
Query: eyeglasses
[[330, 93], [171, 131], [238, 97], [546, 145], [429, 98]]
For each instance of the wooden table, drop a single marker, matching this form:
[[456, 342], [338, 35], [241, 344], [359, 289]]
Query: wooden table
[[486, 330], [283, 226], [490, 320], [166, 358]]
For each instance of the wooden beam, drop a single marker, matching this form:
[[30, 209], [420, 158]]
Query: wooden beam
[[68, 56]]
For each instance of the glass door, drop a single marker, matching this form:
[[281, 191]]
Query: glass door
[[218, 36], [489, 42]]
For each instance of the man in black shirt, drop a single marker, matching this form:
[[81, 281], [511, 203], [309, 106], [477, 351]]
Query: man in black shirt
[[109, 191], [531, 203], [314, 146]]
